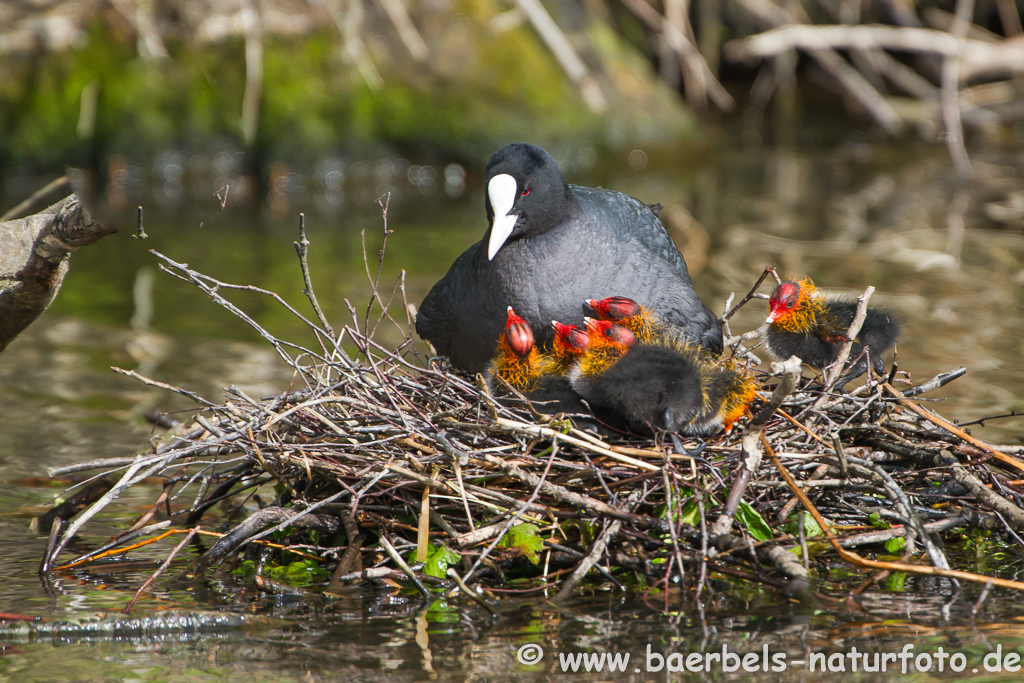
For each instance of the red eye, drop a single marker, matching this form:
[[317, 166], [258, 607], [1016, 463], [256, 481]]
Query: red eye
[[526, 192]]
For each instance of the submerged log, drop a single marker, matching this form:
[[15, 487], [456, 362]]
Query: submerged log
[[34, 254]]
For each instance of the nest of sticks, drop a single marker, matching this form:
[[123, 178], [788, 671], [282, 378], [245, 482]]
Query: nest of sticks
[[387, 467]]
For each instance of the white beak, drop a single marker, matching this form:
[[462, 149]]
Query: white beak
[[502, 192], [771, 318]]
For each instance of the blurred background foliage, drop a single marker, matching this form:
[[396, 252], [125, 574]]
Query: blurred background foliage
[[288, 79]]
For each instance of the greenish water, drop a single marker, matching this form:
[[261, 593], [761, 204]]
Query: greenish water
[[850, 215]]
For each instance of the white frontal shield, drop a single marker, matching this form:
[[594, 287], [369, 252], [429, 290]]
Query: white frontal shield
[[502, 192]]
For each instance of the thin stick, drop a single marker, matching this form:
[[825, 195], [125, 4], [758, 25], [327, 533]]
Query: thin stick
[[565, 54], [752, 294], [403, 566], [140, 230], [454, 575], [423, 528], [939, 422], [976, 57], [939, 380], [844, 353], [954, 133], [302, 249], [410, 37], [25, 205], [110, 495], [166, 563], [169, 387]]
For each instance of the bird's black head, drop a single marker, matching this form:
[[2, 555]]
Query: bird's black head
[[526, 194]]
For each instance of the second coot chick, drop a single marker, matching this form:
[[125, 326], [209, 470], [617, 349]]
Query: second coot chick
[[805, 324], [668, 386], [549, 246], [569, 345], [653, 387], [629, 314], [540, 377]]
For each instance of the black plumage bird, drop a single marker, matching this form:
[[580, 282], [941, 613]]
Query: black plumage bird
[[805, 324], [669, 385], [549, 246]]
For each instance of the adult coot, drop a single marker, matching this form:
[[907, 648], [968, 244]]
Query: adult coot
[[548, 247], [805, 324]]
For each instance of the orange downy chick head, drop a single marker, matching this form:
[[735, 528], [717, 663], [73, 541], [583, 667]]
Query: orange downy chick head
[[738, 401], [614, 307], [791, 305], [518, 361], [605, 333], [570, 341]]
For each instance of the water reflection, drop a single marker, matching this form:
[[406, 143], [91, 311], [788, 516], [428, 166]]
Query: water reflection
[[388, 635]]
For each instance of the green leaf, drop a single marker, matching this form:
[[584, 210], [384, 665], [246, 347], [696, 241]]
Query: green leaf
[[439, 558], [875, 520], [895, 581], [755, 524], [690, 514], [301, 573], [246, 570], [895, 545], [524, 536], [811, 527]]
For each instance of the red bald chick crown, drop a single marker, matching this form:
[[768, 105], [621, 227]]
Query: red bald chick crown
[[518, 334], [629, 314], [569, 345], [517, 360], [606, 332]]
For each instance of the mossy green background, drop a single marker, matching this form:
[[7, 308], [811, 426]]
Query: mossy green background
[[478, 89]]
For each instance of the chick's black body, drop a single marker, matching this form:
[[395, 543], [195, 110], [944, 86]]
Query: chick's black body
[[568, 244], [819, 345], [653, 387]]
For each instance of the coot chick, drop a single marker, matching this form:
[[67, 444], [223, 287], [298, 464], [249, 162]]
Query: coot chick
[[641, 321], [540, 377], [813, 327], [652, 387], [669, 386], [569, 345], [728, 390], [517, 360], [606, 343], [548, 247], [628, 313]]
